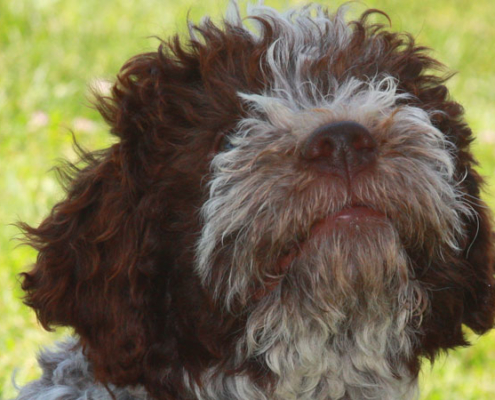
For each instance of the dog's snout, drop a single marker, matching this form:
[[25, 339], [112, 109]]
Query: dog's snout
[[343, 147]]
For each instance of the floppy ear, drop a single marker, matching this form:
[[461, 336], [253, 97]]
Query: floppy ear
[[88, 272], [479, 300], [96, 267], [462, 287], [126, 229]]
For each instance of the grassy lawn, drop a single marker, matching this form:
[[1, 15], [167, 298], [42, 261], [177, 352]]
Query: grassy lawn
[[52, 50]]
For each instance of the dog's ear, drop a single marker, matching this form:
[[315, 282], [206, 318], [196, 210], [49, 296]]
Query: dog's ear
[[127, 228], [97, 266], [479, 299], [88, 273], [462, 286]]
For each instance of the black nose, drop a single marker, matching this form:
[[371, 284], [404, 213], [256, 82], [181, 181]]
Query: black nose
[[343, 148]]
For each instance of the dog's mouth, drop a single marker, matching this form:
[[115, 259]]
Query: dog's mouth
[[348, 218]]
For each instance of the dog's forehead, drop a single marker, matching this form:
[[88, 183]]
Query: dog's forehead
[[299, 55], [364, 102], [299, 51], [315, 67]]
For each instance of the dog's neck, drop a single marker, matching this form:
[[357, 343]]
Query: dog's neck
[[308, 361], [334, 328]]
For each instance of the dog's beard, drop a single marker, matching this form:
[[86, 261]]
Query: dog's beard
[[341, 318], [357, 268]]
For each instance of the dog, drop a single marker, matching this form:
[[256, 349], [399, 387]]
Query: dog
[[291, 211]]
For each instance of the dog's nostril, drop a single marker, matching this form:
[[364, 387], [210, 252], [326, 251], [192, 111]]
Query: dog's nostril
[[340, 147]]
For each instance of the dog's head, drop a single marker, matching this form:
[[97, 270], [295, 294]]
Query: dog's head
[[306, 181]]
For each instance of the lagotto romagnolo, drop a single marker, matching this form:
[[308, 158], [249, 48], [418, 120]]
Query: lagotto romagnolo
[[290, 212]]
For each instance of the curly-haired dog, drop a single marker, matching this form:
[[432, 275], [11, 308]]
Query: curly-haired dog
[[291, 212]]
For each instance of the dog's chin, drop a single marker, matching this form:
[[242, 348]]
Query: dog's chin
[[348, 221], [354, 254]]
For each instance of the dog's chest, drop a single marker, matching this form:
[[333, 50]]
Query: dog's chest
[[309, 362]]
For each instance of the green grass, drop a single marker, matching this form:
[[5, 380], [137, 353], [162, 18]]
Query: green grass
[[51, 50]]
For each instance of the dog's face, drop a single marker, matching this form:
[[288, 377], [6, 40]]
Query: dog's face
[[288, 211]]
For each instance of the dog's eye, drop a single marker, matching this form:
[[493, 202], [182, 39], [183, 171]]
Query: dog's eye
[[225, 144]]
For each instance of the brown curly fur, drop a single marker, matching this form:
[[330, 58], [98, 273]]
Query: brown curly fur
[[116, 256]]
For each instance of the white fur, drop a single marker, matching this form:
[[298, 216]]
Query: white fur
[[313, 355], [67, 375]]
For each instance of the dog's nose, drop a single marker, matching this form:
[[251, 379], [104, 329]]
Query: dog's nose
[[342, 148]]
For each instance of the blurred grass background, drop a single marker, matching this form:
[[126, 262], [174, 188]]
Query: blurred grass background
[[52, 50]]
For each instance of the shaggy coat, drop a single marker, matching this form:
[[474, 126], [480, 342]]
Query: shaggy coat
[[236, 244]]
